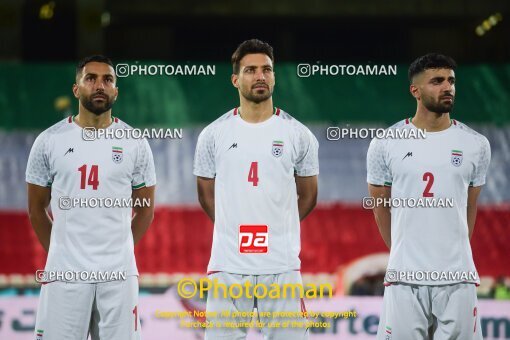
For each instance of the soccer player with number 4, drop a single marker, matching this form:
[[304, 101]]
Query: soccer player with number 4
[[431, 277], [66, 164], [257, 170]]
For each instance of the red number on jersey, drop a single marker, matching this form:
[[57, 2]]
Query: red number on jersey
[[135, 312], [429, 178], [93, 176], [253, 174]]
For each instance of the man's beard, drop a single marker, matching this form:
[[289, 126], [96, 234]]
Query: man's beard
[[257, 97], [438, 107], [97, 108]]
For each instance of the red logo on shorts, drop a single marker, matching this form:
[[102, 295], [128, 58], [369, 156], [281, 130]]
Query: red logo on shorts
[[253, 239]]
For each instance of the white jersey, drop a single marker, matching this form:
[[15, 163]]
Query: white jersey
[[90, 239], [430, 242], [257, 226]]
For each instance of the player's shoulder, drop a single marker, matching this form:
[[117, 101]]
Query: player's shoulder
[[58, 128], [223, 119], [470, 133], [120, 124], [382, 142], [226, 117], [219, 124], [288, 120], [401, 124], [465, 129]]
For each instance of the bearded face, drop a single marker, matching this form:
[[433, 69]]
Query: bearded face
[[95, 87], [436, 89], [97, 103], [256, 77]]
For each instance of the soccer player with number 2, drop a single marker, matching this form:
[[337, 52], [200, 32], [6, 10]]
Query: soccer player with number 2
[[65, 164], [431, 277], [257, 170]]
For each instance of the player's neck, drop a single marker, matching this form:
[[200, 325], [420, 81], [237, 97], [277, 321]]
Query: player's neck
[[256, 112], [86, 118], [431, 121]]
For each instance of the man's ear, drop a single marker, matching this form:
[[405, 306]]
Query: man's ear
[[414, 91], [75, 91], [235, 80]]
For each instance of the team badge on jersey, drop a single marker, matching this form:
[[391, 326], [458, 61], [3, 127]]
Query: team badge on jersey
[[117, 154], [277, 148], [456, 157], [39, 334]]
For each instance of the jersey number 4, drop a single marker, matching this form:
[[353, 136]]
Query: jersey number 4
[[429, 178], [93, 178], [253, 174]]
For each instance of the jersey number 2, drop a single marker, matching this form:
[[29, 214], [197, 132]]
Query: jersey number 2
[[429, 178], [93, 179], [253, 176]]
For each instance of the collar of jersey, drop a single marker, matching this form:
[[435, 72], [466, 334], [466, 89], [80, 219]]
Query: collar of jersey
[[435, 132], [267, 121], [76, 124]]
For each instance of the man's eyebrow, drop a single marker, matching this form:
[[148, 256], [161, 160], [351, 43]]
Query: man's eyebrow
[[255, 66], [95, 74]]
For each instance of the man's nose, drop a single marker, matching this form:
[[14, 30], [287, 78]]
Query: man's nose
[[447, 87], [259, 75], [99, 85]]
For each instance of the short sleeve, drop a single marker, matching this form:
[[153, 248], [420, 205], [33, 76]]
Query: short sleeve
[[204, 162], [378, 172], [144, 173], [482, 165], [38, 166], [307, 162]]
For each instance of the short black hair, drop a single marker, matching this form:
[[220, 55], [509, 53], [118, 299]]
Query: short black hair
[[251, 46], [428, 61], [93, 58]]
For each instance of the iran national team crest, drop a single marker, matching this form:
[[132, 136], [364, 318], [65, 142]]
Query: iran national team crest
[[117, 154], [39, 334], [456, 157], [277, 148]]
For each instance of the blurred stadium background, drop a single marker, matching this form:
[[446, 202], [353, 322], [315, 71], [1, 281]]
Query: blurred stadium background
[[42, 40]]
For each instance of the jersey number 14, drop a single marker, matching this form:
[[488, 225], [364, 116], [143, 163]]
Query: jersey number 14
[[93, 179]]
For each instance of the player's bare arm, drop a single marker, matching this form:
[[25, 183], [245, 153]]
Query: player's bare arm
[[307, 194], [382, 214], [205, 188], [143, 215], [473, 193], [38, 202]]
